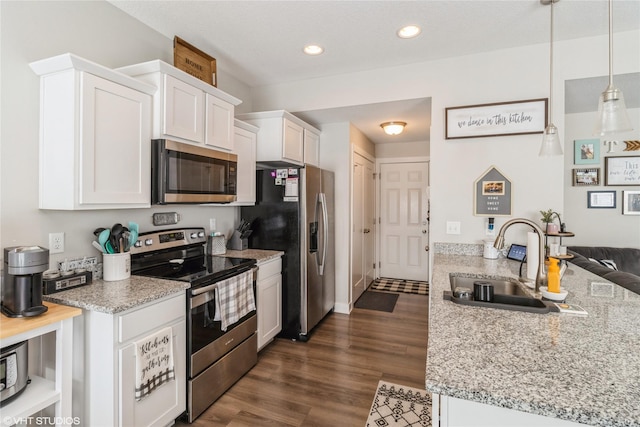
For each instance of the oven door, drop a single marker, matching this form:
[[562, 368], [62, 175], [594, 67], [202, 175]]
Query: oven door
[[207, 342]]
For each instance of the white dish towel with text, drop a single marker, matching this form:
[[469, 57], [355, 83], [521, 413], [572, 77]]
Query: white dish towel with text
[[154, 362], [234, 299]]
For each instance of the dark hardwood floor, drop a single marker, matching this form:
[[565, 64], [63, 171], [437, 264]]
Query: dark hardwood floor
[[331, 379]]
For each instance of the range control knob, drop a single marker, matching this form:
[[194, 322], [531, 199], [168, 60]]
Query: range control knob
[[201, 234], [193, 235], [138, 244], [148, 242]]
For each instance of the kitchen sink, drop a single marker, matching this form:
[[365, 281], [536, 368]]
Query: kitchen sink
[[508, 294]]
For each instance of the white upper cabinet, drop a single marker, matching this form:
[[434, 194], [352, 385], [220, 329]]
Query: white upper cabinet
[[183, 115], [311, 148], [245, 148], [95, 131], [185, 108], [284, 138]]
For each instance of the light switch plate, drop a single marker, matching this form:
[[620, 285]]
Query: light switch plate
[[453, 227]]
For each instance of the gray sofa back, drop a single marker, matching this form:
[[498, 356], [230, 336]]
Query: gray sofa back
[[627, 260]]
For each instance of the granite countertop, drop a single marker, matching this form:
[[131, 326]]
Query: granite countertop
[[260, 255], [584, 369], [118, 296]]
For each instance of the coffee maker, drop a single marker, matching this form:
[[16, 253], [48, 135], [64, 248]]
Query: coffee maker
[[22, 280]]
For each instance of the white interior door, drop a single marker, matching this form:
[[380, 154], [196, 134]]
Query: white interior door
[[357, 274], [363, 223], [404, 232]]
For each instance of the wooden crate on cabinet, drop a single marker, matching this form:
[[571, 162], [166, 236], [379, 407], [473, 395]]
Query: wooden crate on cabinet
[[85, 161], [283, 137]]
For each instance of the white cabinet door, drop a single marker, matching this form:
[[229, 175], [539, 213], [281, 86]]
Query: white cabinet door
[[183, 110], [293, 142], [115, 151], [219, 123], [269, 296], [311, 148], [165, 402], [245, 148]]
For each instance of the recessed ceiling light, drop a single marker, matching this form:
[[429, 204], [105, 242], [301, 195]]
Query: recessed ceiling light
[[313, 49], [409, 31]]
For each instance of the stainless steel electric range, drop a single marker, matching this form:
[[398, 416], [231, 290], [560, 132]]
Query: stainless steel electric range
[[217, 358]]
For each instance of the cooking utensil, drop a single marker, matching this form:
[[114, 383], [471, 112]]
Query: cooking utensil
[[97, 231], [103, 238], [114, 237], [97, 245]]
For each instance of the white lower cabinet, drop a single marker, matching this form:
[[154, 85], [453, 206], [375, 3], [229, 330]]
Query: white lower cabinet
[[108, 374], [450, 411], [269, 296]]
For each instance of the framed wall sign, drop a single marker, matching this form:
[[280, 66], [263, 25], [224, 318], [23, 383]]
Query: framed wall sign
[[623, 170], [492, 194], [497, 119], [589, 176], [601, 199], [586, 151], [631, 202]]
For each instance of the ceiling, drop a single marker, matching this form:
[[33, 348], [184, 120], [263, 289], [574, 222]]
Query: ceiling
[[260, 42]]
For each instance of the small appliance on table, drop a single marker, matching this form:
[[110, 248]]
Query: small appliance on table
[[22, 280], [218, 354]]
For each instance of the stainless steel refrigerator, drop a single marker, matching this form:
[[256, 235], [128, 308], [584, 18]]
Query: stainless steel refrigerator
[[294, 213]]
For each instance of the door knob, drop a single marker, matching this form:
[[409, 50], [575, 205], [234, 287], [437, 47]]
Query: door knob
[[366, 230]]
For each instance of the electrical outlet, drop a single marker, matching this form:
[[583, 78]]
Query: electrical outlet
[[56, 243], [453, 227], [212, 224]]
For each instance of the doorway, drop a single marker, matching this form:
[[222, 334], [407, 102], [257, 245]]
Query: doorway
[[404, 220]]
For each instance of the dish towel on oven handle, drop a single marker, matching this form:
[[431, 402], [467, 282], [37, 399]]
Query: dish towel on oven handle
[[234, 299], [154, 362]]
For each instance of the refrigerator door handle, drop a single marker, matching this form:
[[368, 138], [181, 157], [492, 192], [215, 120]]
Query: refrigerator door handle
[[322, 198]]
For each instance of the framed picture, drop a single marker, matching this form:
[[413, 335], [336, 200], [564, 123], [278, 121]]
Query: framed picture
[[631, 202], [497, 119], [589, 176], [622, 170], [601, 199], [492, 194], [586, 151]]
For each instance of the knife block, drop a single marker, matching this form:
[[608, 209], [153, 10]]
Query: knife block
[[238, 243]]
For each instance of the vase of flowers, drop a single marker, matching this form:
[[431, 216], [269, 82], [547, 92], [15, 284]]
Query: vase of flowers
[[548, 225]]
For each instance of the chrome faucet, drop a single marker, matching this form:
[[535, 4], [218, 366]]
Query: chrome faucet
[[541, 275]]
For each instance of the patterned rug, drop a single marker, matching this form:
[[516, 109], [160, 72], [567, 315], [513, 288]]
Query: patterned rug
[[400, 285], [397, 405]]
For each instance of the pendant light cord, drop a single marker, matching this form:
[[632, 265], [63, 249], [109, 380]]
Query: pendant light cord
[[610, 43], [551, 66]]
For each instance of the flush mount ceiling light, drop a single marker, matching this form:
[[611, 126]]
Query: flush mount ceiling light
[[612, 112], [393, 128], [408, 32], [313, 49], [550, 139]]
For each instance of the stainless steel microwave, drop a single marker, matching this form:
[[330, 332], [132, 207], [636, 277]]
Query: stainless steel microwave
[[184, 173]]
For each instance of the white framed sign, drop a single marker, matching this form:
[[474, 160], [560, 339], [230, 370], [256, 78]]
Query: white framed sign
[[497, 119], [622, 170]]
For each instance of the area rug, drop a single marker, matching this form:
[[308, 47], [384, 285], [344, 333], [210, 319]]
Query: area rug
[[400, 285], [379, 301], [397, 405]]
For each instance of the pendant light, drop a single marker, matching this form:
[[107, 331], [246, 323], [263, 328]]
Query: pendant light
[[550, 139], [612, 113]]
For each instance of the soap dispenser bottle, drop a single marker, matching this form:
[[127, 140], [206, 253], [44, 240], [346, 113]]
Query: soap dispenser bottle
[[553, 275]]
